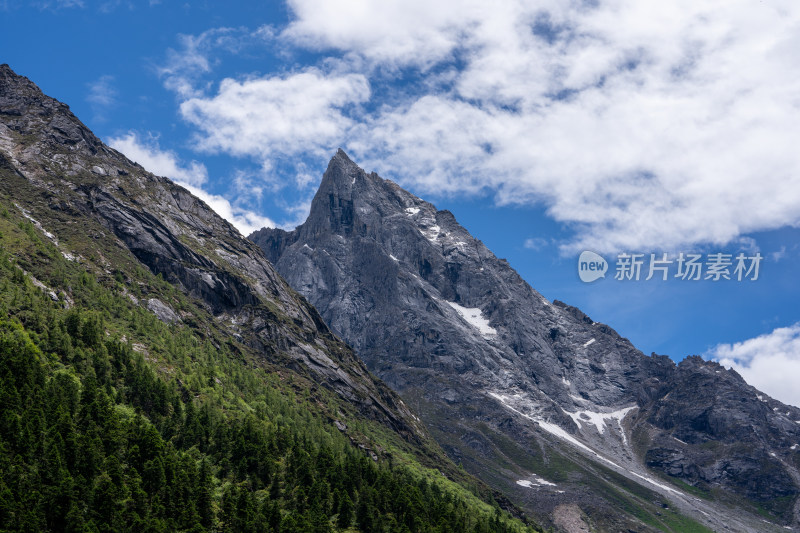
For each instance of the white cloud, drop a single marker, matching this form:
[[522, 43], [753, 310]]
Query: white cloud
[[244, 220], [770, 362], [196, 56], [102, 95], [778, 255], [536, 243], [645, 126], [415, 32], [147, 153], [183, 66], [298, 212], [58, 4], [276, 116]]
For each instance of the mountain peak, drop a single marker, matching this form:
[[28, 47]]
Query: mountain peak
[[332, 206], [341, 155], [455, 329], [341, 173]]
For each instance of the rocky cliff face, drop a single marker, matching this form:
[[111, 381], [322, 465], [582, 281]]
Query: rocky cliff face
[[533, 396], [63, 175]]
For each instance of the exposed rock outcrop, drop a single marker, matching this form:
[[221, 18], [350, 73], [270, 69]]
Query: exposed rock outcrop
[[507, 380]]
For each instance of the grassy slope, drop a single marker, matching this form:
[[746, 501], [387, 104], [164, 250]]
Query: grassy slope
[[231, 441]]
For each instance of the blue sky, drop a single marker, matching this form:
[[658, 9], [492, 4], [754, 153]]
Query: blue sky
[[547, 128]]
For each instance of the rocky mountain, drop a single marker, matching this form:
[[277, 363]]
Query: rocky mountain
[[68, 175], [557, 411], [156, 373]]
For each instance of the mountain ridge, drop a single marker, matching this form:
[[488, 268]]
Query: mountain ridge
[[460, 334]]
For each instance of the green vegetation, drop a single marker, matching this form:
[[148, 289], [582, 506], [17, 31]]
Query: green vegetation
[[111, 420], [691, 489], [642, 503]]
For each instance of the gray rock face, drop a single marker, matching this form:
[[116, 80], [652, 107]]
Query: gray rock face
[[512, 385], [164, 312], [60, 172]]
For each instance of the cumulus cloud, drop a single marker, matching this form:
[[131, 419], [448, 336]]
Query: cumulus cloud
[[276, 115], [166, 163], [400, 33], [769, 362], [642, 126]]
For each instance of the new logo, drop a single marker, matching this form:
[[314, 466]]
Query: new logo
[[591, 266]]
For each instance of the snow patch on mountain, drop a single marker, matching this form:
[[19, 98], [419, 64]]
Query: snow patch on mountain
[[474, 317], [657, 484], [534, 481], [559, 432], [431, 233], [547, 426], [599, 419]]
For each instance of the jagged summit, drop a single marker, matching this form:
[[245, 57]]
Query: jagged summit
[[332, 205], [510, 382], [341, 169], [340, 158], [352, 200], [345, 179]]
